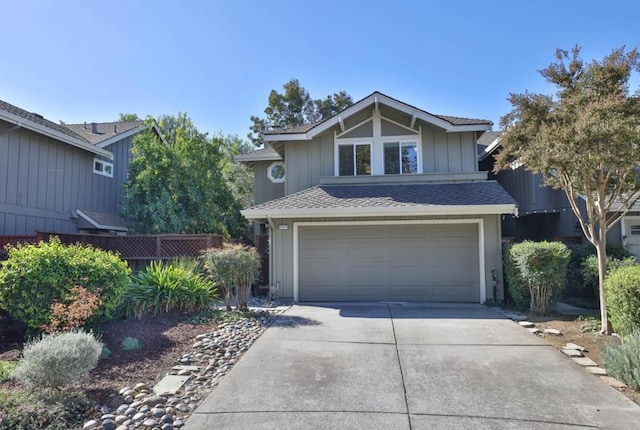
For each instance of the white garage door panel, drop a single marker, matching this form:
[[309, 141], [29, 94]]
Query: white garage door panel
[[417, 262]]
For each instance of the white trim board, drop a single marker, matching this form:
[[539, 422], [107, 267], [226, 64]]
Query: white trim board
[[478, 221]]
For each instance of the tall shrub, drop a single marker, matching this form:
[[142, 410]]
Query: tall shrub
[[516, 286], [35, 276], [233, 268], [543, 266], [622, 295]]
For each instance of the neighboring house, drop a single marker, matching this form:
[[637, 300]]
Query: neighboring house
[[62, 178], [544, 213], [381, 202]]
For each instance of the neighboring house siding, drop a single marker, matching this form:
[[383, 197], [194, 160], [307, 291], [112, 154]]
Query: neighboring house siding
[[264, 188], [122, 155], [42, 181], [307, 161], [282, 260]]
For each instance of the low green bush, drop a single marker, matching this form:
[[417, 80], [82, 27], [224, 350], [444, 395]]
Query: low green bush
[[6, 369], [58, 359], [517, 288], [623, 361], [590, 271], [164, 288], [622, 295], [130, 344], [542, 266], [45, 409], [36, 276], [233, 268]]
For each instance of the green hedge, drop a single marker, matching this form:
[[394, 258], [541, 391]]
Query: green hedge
[[622, 295], [34, 276]]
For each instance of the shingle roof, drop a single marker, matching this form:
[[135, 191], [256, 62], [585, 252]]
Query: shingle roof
[[39, 119], [392, 196], [487, 139], [266, 153], [105, 130]]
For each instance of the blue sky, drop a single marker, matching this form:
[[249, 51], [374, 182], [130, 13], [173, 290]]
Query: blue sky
[[83, 60]]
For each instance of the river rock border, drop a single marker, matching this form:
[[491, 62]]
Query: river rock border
[[211, 357]]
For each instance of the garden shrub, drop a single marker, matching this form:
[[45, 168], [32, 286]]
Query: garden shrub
[[58, 359], [130, 344], [46, 409], [622, 295], [623, 361], [590, 271], [164, 288], [233, 268], [35, 276], [542, 266], [6, 370], [79, 305], [517, 288]]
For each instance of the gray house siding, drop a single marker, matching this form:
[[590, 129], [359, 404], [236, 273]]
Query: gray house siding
[[307, 161], [448, 152], [282, 261], [265, 189], [122, 156], [42, 181]]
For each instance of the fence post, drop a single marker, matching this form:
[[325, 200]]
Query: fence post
[[158, 244]]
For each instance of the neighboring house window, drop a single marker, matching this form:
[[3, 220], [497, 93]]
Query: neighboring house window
[[102, 168], [354, 159], [276, 173], [400, 158]]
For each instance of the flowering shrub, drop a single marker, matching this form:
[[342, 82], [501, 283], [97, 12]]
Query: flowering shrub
[[79, 307]]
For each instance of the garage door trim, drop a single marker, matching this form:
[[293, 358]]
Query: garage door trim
[[479, 222]]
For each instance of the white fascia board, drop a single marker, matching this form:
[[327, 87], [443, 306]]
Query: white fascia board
[[490, 148], [468, 127], [285, 137], [365, 212], [121, 136], [97, 225], [46, 131]]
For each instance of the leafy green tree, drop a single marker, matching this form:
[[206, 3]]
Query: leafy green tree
[[585, 141], [294, 108], [179, 186], [128, 117]]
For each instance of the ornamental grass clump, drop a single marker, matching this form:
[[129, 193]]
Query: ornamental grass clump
[[58, 359], [542, 266], [233, 268], [164, 288]]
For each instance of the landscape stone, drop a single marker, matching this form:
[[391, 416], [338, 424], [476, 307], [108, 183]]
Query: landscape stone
[[526, 324], [597, 371], [90, 425], [585, 361], [552, 331], [153, 401], [574, 346], [150, 422], [139, 416], [108, 424], [166, 426], [572, 352], [534, 330], [611, 381]]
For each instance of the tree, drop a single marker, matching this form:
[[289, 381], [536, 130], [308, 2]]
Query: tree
[[294, 108], [128, 117], [585, 141], [179, 187]]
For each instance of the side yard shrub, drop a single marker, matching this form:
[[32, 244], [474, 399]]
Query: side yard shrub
[[542, 266], [516, 286], [233, 268], [589, 269], [623, 361], [622, 295], [36, 276], [58, 359], [580, 279], [164, 288]]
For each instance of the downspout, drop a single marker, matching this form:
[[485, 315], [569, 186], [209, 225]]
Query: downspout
[[271, 232]]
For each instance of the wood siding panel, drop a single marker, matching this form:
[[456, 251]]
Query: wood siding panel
[[264, 189], [306, 162]]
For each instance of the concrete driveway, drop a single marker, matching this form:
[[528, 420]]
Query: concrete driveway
[[408, 366]]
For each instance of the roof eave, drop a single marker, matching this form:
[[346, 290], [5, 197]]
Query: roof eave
[[46, 131], [121, 136], [496, 209], [98, 225], [490, 148]]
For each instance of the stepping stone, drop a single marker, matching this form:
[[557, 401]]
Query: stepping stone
[[526, 324], [183, 367], [534, 330], [597, 371], [613, 382], [572, 352], [552, 331], [170, 384], [515, 317], [585, 361], [574, 346]]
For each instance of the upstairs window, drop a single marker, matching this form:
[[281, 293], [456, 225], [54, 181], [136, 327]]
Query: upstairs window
[[400, 158], [275, 172], [354, 159], [103, 168]]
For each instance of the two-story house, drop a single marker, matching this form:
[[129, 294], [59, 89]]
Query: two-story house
[[62, 178], [382, 202]]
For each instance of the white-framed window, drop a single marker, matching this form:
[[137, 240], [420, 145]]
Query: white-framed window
[[354, 159], [276, 172], [400, 158], [103, 168]]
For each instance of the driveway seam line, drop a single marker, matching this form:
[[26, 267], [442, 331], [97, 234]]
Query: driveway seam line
[[525, 420], [404, 386]]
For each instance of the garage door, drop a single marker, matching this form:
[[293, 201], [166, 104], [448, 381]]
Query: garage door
[[416, 262]]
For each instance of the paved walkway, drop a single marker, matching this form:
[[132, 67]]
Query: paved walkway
[[408, 366]]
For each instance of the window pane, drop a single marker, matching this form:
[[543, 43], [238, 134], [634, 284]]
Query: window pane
[[345, 160], [391, 158], [363, 160], [409, 158]]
